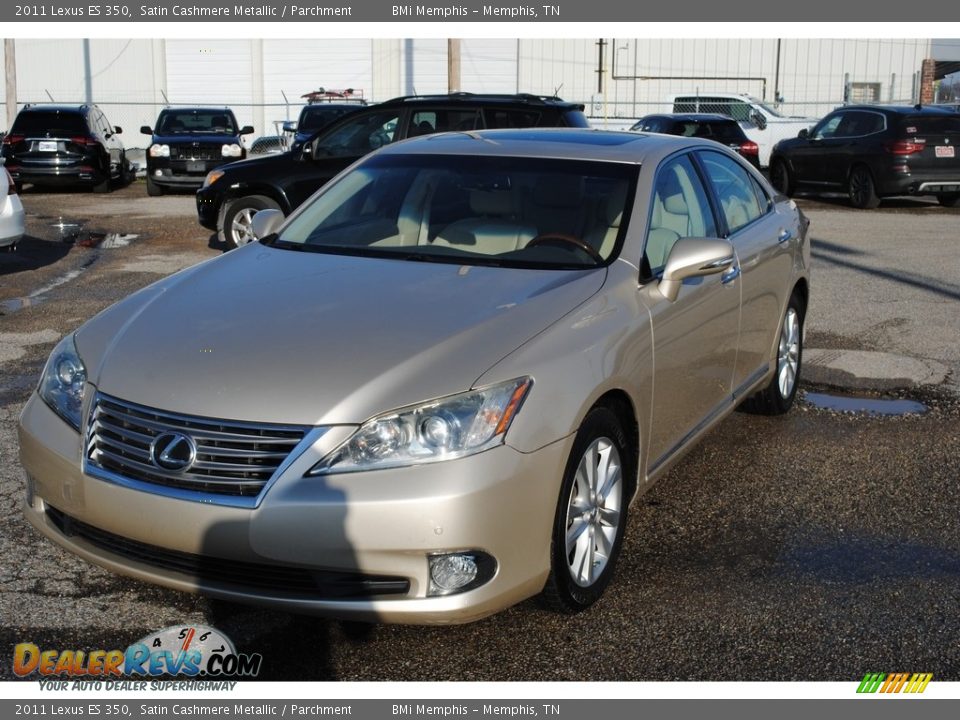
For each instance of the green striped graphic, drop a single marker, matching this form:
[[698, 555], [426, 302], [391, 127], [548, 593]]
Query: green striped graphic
[[871, 682]]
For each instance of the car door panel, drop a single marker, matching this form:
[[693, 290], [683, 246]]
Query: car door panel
[[695, 337]]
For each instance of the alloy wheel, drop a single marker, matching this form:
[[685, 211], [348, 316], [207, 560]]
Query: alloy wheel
[[594, 512], [788, 357]]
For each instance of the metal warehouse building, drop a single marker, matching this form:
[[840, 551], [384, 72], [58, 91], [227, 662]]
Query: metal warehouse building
[[263, 80]]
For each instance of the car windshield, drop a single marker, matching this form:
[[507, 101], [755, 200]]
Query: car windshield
[[315, 117], [470, 210], [196, 122], [49, 122]]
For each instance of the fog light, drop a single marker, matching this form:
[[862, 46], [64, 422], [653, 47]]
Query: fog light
[[158, 173], [450, 573]]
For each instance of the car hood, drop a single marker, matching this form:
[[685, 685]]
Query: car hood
[[186, 139], [270, 335]]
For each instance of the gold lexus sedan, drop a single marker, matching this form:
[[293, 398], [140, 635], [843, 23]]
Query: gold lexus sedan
[[434, 390]]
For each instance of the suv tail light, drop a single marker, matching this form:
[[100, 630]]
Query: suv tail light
[[12, 139], [749, 148], [83, 140], [904, 147]]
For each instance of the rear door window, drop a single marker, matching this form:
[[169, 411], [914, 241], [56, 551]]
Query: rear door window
[[734, 189], [502, 118]]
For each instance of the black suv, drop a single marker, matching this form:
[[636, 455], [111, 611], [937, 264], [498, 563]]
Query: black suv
[[57, 145], [719, 128], [189, 142], [872, 152], [231, 195]]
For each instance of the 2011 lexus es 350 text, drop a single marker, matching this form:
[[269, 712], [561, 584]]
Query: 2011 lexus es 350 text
[[440, 384]]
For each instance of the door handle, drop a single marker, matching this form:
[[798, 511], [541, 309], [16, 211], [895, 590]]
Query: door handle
[[784, 235], [730, 275]]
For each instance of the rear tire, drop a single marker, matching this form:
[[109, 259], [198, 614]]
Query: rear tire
[[103, 186], [951, 200], [591, 514], [780, 178], [862, 191], [778, 396], [237, 216]]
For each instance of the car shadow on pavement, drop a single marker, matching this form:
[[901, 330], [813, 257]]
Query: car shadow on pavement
[[32, 253]]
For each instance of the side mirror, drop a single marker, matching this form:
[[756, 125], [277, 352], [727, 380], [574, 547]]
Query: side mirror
[[758, 119], [804, 134], [246, 129], [145, 129], [306, 150], [289, 126], [117, 129], [694, 257], [266, 222]]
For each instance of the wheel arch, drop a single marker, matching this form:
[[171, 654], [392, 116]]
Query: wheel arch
[[268, 191], [618, 401]]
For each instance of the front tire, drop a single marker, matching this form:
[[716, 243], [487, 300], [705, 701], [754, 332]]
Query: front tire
[[950, 200], [862, 191], [235, 229], [153, 189], [780, 178], [778, 396], [591, 514]]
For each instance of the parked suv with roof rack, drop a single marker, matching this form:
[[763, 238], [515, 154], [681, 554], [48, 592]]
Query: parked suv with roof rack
[[231, 195], [322, 108], [189, 142], [872, 152], [57, 145]]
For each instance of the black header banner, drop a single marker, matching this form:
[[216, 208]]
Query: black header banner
[[533, 11]]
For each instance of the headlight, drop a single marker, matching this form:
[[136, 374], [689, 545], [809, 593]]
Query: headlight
[[158, 150], [212, 177], [63, 381], [233, 150], [444, 429]]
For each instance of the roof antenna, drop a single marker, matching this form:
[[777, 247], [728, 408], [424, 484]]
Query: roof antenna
[[556, 92], [918, 106], [49, 95]]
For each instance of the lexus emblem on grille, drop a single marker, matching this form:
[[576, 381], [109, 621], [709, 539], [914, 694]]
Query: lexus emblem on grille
[[173, 451]]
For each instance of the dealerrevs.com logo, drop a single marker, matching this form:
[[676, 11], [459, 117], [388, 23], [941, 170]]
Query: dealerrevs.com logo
[[190, 651], [889, 683]]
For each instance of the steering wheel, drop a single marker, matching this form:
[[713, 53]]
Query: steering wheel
[[552, 237]]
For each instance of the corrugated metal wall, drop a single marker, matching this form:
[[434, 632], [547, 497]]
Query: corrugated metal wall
[[126, 77]]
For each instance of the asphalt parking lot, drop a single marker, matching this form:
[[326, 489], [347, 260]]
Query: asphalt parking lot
[[818, 546]]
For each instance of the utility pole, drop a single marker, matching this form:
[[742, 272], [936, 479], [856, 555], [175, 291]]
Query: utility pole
[[10, 65], [453, 65]]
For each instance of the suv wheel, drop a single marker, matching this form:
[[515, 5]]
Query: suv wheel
[[236, 218], [154, 190], [780, 177], [103, 186], [863, 193]]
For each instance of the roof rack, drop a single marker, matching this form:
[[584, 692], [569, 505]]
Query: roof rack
[[322, 95], [463, 95]]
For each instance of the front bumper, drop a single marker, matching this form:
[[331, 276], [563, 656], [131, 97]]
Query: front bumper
[[181, 173], [372, 525], [208, 207]]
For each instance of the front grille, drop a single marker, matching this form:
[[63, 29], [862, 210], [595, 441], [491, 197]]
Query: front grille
[[232, 458], [201, 152], [272, 580]]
